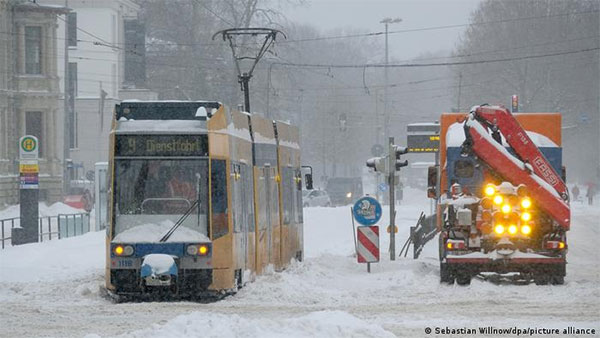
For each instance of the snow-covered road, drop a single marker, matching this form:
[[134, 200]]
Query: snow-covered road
[[52, 289]]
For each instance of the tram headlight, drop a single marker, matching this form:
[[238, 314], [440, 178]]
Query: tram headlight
[[203, 250], [119, 250], [192, 250], [197, 249], [123, 250]]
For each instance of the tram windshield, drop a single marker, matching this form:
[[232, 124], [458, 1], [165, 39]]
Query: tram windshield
[[151, 195]]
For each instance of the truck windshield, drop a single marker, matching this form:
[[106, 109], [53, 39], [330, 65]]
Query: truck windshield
[[152, 194]]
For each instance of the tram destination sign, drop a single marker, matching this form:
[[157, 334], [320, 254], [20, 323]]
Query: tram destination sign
[[161, 145], [423, 137]]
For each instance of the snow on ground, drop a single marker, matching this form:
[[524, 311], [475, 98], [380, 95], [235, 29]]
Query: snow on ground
[[44, 210], [52, 289]]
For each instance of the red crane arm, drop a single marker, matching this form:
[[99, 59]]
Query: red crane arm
[[517, 138]]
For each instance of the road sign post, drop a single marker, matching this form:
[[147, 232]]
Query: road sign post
[[367, 211], [368, 245], [28, 192]]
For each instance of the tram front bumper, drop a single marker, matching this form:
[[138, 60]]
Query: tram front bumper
[[135, 275]]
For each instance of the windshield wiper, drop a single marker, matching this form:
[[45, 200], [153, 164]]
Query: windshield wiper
[[179, 222]]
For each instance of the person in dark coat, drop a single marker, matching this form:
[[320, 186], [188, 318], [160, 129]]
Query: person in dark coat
[[575, 191], [590, 194]]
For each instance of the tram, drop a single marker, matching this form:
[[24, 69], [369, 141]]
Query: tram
[[202, 198]]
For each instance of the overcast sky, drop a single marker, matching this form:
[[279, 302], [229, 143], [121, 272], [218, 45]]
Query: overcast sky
[[367, 14]]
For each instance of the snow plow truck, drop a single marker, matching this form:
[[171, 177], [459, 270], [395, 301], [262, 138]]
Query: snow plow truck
[[503, 208]]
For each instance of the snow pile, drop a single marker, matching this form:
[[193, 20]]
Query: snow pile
[[314, 324], [163, 125], [455, 136], [242, 133], [151, 232], [260, 138], [158, 264], [44, 210], [55, 260], [289, 144]]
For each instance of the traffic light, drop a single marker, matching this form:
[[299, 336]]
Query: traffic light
[[398, 152], [377, 163]]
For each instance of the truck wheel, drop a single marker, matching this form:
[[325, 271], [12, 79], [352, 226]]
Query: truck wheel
[[541, 279], [463, 279], [557, 280], [445, 274]]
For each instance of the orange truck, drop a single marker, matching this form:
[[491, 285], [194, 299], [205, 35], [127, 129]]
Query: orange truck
[[503, 205]]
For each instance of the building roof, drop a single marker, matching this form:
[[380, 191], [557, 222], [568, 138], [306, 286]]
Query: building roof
[[35, 7]]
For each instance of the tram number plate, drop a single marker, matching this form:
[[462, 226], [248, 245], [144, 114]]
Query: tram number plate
[[125, 263]]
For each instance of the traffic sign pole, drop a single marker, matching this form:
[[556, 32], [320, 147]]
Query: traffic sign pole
[[392, 184], [29, 192]]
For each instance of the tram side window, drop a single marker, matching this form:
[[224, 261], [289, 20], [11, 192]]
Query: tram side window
[[248, 196], [219, 198], [237, 207]]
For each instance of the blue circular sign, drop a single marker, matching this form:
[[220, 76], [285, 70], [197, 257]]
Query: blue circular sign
[[367, 211]]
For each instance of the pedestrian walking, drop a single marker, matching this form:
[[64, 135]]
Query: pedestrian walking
[[590, 194], [575, 192]]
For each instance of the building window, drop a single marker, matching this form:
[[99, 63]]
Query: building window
[[34, 126], [72, 29], [33, 50], [72, 114]]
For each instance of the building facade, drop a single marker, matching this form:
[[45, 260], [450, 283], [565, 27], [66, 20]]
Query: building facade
[[105, 43], [29, 94]]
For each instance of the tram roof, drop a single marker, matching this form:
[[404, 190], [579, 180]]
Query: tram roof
[[164, 110]]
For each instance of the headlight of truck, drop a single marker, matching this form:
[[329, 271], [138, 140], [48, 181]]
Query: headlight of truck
[[349, 195], [499, 229]]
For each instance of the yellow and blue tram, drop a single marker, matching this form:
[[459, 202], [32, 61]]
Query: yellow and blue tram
[[202, 198]]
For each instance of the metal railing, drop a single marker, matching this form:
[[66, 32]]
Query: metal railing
[[59, 226]]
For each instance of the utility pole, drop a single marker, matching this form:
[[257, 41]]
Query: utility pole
[[386, 117], [66, 110], [459, 91], [233, 35]]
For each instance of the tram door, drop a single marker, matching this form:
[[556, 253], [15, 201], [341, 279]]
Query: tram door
[[239, 225]]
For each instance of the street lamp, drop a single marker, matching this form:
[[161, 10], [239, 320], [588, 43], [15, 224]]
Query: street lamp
[[386, 117]]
